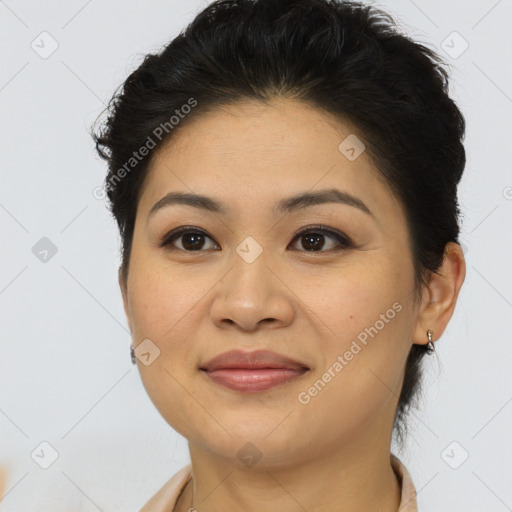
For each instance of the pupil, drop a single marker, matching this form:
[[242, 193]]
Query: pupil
[[194, 238], [315, 240]]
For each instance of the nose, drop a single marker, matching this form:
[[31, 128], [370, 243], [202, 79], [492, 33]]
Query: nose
[[251, 296]]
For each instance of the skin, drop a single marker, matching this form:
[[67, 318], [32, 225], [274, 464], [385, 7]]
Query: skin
[[2, 483], [333, 453]]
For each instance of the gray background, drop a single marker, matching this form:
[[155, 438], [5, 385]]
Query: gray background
[[65, 370]]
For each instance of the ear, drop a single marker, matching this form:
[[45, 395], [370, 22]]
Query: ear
[[440, 297], [123, 285]]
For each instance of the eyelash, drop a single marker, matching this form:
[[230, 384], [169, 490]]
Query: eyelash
[[342, 239]]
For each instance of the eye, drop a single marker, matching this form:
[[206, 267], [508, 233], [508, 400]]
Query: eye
[[313, 239], [194, 239]]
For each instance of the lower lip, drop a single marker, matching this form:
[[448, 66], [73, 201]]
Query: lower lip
[[253, 381]]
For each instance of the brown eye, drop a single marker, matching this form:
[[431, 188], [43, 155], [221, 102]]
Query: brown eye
[[314, 239], [191, 239]]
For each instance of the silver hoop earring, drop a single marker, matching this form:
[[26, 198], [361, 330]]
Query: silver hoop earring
[[430, 348]]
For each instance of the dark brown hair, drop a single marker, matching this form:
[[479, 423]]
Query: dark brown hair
[[345, 58]]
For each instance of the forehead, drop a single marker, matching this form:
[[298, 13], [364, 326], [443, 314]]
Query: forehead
[[252, 154]]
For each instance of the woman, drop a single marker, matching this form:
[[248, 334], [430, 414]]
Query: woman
[[284, 176]]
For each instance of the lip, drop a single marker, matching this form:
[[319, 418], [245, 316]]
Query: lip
[[254, 371]]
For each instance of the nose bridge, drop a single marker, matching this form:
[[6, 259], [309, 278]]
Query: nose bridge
[[250, 292], [250, 273]]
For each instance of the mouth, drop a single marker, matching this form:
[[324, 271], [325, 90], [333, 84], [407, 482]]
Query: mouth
[[253, 372], [253, 381]]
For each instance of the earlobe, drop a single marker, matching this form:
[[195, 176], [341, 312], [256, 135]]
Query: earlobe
[[441, 297]]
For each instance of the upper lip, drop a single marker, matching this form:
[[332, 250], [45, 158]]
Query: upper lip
[[252, 360]]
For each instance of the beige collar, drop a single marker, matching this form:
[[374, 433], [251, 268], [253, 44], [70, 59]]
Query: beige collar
[[165, 499]]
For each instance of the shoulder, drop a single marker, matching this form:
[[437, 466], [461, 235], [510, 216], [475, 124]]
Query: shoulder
[[165, 499]]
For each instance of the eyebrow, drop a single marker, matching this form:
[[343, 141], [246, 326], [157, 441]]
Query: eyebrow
[[288, 205]]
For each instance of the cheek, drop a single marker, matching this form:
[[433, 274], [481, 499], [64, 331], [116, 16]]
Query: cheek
[[166, 314], [366, 344], [362, 375], [162, 306], [349, 300]]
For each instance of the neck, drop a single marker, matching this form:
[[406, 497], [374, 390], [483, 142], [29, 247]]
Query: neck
[[352, 480]]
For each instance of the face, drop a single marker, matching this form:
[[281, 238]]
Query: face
[[328, 283]]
